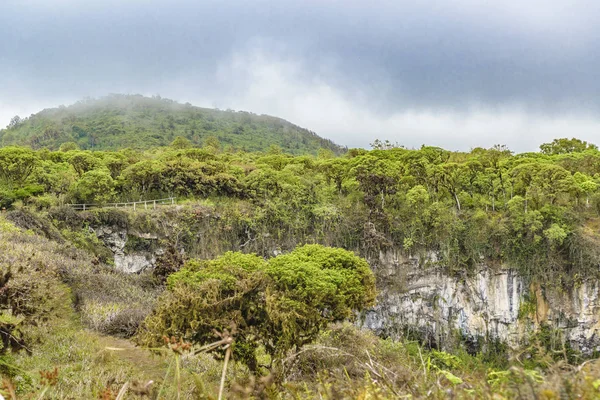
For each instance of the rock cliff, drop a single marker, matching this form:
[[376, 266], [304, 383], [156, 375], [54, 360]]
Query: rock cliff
[[493, 303], [419, 296]]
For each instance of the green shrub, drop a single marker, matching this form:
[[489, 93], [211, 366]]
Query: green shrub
[[280, 304]]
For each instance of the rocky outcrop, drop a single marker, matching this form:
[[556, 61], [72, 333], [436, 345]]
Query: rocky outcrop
[[418, 295], [126, 260], [493, 303]]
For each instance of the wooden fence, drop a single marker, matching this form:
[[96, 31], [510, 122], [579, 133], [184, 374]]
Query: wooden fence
[[135, 204]]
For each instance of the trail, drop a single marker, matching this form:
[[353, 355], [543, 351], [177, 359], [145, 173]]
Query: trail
[[149, 365]]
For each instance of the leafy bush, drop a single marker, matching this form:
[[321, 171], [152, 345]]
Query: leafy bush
[[280, 304], [95, 186]]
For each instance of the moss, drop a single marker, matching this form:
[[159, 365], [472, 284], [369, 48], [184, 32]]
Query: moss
[[548, 345], [527, 306], [111, 217], [137, 244], [86, 240]]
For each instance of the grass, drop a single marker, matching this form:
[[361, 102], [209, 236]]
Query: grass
[[85, 367], [345, 363], [90, 364], [67, 302]]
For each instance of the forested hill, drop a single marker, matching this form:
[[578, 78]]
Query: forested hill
[[138, 122]]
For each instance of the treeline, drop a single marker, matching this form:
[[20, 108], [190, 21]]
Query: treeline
[[118, 121], [535, 211]]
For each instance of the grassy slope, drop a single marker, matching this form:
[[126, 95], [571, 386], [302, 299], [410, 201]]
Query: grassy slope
[[63, 288], [119, 121], [343, 363]]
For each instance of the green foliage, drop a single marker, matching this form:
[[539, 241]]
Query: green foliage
[[121, 121], [546, 346], [527, 210], [181, 142], [96, 186], [341, 361], [313, 277], [536, 212], [16, 165], [564, 146], [441, 359], [555, 234], [528, 306], [69, 146], [280, 304]]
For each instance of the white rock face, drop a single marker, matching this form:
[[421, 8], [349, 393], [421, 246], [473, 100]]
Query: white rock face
[[421, 297], [134, 263], [131, 262], [485, 305]]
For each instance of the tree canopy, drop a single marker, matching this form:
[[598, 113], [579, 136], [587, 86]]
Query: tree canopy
[[565, 146], [486, 204], [118, 121]]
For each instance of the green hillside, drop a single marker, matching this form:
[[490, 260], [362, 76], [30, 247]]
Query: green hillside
[[261, 271], [135, 121]]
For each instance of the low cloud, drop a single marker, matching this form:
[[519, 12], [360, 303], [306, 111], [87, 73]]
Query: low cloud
[[458, 73], [281, 87]]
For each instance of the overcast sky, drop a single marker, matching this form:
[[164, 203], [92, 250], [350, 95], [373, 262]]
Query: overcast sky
[[454, 73]]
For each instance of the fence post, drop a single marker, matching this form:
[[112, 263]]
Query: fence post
[[155, 204], [134, 205], [172, 200], [84, 207]]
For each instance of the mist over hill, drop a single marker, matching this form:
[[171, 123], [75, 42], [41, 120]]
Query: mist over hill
[[119, 121]]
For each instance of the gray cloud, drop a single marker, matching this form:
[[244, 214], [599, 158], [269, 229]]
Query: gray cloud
[[453, 73]]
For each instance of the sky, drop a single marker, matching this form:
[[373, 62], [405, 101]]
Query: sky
[[457, 73]]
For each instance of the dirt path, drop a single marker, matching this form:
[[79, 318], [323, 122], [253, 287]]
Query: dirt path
[[150, 365]]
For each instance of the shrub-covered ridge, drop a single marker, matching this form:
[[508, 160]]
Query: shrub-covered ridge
[[533, 211]]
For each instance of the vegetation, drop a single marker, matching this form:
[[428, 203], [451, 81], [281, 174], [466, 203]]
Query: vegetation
[[261, 266], [137, 122], [279, 305], [63, 360], [529, 210]]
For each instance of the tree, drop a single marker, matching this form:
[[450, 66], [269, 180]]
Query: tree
[[450, 176], [143, 176], [552, 180], [96, 186], [181, 142], [274, 150], [310, 288], [14, 122], [212, 143], [69, 146], [376, 178], [16, 165], [325, 154], [335, 170], [84, 161], [385, 145], [280, 304], [54, 177], [564, 146], [586, 185]]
